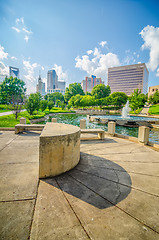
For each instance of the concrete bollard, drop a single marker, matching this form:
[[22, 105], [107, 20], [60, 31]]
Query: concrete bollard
[[54, 120], [111, 128], [82, 123], [143, 134], [22, 120]]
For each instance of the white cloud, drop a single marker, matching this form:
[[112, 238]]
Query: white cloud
[[26, 38], [61, 75], [3, 54], [157, 74], [97, 65], [89, 52], [16, 29], [13, 58], [103, 43], [150, 35], [21, 28], [26, 31], [4, 70], [30, 78]]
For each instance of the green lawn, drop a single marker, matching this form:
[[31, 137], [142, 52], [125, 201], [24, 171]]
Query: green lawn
[[154, 110], [10, 121]]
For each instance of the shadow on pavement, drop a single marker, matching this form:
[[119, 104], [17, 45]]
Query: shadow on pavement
[[95, 180]]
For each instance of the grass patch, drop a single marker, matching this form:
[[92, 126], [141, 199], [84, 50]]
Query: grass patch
[[137, 111], [154, 109], [10, 121]]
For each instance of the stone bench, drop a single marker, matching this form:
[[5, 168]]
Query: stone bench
[[19, 128], [100, 132], [59, 149]]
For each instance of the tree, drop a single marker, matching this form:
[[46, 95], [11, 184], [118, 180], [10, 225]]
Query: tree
[[12, 91], [54, 96], [118, 99], [75, 101], [50, 105], [137, 100], [100, 91], [154, 99], [33, 103], [43, 105], [73, 90]]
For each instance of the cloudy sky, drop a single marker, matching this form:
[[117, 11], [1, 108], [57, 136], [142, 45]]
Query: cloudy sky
[[78, 37]]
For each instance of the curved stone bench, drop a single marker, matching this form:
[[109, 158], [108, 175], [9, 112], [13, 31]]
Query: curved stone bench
[[59, 149]]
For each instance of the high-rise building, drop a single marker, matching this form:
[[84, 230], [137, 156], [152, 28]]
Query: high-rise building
[[52, 80], [40, 87], [53, 84], [90, 82], [14, 72], [127, 78]]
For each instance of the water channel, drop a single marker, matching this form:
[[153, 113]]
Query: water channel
[[74, 119]]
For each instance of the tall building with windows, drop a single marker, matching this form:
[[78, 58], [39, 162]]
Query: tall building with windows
[[53, 84], [127, 78], [90, 82], [13, 72], [40, 87], [52, 80]]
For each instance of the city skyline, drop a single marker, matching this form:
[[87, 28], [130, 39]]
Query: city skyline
[[74, 42]]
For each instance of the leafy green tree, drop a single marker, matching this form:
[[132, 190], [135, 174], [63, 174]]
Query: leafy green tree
[[33, 103], [54, 96], [50, 105], [137, 100], [100, 91], [58, 103], [12, 91], [75, 101], [154, 99], [43, 105], [118, 99], [73, 90], [88, 100]]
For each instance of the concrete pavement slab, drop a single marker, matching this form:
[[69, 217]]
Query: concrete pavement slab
[[18, 181], [54, 218], [15, 219]]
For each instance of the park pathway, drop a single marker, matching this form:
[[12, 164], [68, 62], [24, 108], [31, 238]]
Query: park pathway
[[113, 193]]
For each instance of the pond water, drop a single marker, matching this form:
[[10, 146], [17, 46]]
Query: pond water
[[74, 119]]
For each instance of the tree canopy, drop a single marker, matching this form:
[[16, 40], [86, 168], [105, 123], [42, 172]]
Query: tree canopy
[[54, 96], [137, 99], [154, 99], [12, 89], [100, 91], [73, 90]]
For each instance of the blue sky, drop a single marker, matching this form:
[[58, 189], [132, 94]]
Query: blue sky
[[78, 37]]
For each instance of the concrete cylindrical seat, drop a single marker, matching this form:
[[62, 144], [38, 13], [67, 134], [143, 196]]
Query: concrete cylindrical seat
[[59, 149]]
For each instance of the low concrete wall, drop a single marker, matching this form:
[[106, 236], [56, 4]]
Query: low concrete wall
[[59, 149]]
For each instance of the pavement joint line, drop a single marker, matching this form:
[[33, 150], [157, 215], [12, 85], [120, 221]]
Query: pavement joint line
[[119, 182], [113, 153], [7, 144], [18, 200], [73, 210], [31, 224], [149, 175], [116, 206], [18, 163]]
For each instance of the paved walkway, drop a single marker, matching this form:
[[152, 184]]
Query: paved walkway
[[9, 113], [113, 193]]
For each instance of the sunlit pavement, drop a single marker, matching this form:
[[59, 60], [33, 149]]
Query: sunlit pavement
[[113, 193]]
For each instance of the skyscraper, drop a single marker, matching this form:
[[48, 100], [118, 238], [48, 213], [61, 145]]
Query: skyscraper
[[127, 78], [40, 87], [53, 85], [52, 80], [90, 82], [13, 72]]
